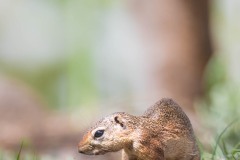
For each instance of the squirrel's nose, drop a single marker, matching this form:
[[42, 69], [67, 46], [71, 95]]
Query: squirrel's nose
[[80, 151], [83, 148]]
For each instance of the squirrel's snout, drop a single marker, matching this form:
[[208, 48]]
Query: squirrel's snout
[[81, 149], [86, 149], [83, 146]]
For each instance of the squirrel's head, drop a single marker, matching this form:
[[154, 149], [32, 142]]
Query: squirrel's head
[[110, 134]]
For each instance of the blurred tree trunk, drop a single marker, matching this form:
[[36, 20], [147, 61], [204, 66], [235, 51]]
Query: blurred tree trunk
[[177, 41]]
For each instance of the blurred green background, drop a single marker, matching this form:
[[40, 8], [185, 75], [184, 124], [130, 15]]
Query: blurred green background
[[49, 45], [83, 56]]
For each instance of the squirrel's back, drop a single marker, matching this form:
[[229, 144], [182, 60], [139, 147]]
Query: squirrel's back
[[175, 123], [167, 111]]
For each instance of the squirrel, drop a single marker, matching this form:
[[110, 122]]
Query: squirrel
[[163, 132]]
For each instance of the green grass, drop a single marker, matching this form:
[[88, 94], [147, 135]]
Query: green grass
[[222, 150], [19, 153]]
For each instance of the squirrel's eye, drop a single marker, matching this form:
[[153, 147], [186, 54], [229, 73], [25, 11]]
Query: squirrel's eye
[[98, 133]]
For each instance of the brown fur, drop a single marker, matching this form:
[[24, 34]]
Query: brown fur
[[164, 132]]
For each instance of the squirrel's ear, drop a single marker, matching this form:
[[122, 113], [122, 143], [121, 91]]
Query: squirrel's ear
[[118, 120]]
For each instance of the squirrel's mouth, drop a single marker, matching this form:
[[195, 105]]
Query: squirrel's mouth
[[90, 150], [86, 152], [98, 152], [86, 149]]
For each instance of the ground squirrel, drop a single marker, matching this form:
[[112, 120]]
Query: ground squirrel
[[163, 132]]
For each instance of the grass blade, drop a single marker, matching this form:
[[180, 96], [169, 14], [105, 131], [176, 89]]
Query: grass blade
[[237, 146], [224, 149], [220, 136], [19, 153]]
